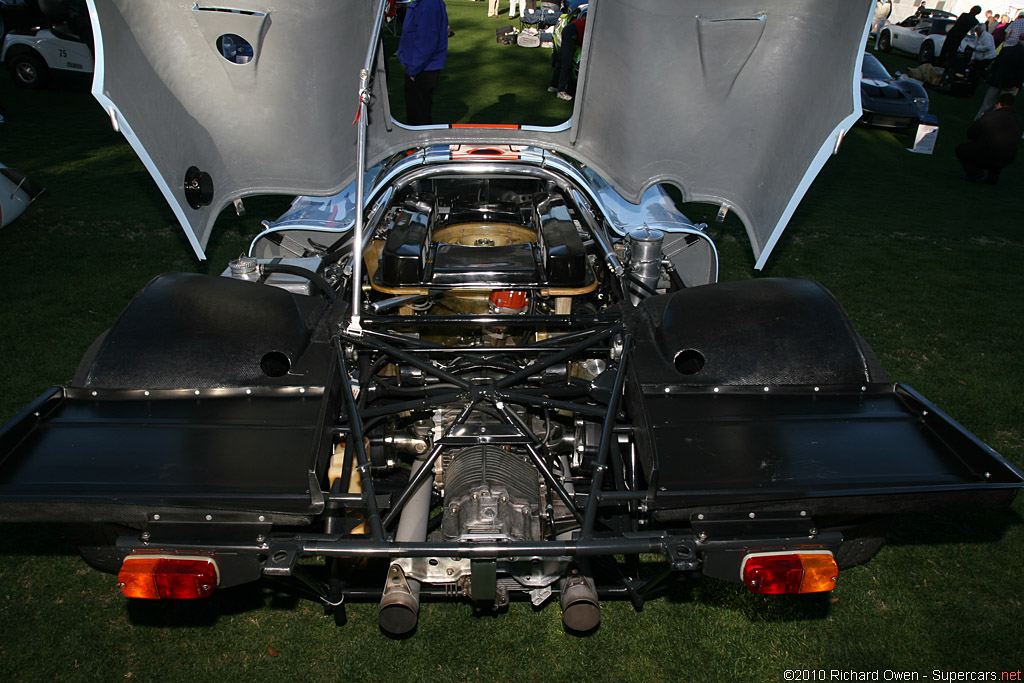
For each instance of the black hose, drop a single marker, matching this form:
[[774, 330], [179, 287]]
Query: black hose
[[461, 365], [390, 389], [555, 391], [364, 378], [321, 283], [339, 249]]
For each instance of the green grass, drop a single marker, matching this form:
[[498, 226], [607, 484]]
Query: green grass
[[484, 82], [928, 266]]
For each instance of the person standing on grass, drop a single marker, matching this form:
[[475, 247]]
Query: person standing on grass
[[957, 32], [423, 51], [992, 142], [998, 33], [1014, 30], [1005, 76], [883, 8], [562, 60]]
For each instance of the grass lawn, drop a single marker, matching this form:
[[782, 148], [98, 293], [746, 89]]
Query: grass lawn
[[928, 266]]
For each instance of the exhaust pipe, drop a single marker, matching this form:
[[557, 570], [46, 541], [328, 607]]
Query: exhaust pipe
[[400, 605], [581, 610]]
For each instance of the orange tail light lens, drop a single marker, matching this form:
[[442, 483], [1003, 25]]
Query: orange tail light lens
[[158, 577], [775, 573]]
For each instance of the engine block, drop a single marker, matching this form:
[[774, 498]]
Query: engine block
[[491, 493]]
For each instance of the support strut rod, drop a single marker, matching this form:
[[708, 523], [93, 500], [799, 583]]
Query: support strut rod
[[412, 360], [607, 434], [356, 425], [362, 121], [538, 460], [427, 469], [543, 363]]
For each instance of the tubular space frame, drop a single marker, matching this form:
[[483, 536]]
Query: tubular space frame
[[497, 394]]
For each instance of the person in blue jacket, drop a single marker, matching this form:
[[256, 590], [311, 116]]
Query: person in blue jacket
[[423, 50]]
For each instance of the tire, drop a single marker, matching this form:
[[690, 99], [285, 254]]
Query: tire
[[28, 70], [927, 52], [861, 542], [885, 42], [858, 551]]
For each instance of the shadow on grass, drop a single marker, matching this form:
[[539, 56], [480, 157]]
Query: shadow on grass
[[36, 539], [756, 608], [222, 603], [496, 111]]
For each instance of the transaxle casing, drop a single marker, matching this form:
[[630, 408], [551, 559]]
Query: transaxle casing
[[491, 494]]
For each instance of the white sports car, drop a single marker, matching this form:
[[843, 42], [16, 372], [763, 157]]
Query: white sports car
[[483, 363], [921, 37]]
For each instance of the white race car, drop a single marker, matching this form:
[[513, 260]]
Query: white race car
[[483, 363], [921, 37], [31, 55]]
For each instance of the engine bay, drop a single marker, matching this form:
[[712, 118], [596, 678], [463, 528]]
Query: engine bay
[[494, 234], [507, 396]]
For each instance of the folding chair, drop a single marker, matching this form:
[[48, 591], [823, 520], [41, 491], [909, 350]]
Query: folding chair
[[531, 17]]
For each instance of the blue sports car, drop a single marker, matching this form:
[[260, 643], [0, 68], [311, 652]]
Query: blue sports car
[[889, 102]]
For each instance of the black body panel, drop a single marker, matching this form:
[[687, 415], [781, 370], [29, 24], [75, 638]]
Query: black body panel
[[749, 448], [772, 430], [755, 393], [75, 457], [195, 331], [764, 332]]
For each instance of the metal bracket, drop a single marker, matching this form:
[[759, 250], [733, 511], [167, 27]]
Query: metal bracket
[[718, 526], [199, 528], [281, 560], [680, 555], [483, 585], [396, 582]]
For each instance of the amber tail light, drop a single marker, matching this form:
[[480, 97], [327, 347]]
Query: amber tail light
[[159, 577], [776, 573]]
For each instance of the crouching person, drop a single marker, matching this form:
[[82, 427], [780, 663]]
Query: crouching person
[[992, 142]]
